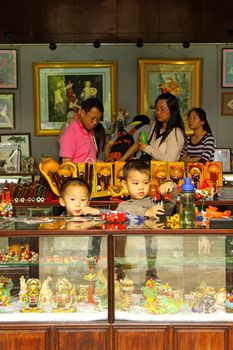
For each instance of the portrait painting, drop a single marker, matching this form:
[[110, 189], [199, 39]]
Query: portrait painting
[[62, 87]]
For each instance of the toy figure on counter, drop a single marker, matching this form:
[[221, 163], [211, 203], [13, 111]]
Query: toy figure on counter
[[6, 208], [32, 297], [64, 297], [6, 285]]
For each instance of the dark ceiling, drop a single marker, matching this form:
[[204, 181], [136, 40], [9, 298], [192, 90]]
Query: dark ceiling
[[116, 21]]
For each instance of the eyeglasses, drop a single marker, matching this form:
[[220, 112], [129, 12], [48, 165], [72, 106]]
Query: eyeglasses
[[161, 109], [93, 120]]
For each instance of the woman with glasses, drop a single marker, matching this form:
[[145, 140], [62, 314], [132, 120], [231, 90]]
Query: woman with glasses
[[167, 137]]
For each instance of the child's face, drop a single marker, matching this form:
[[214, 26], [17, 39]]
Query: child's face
[[75, 198], [137, 184]]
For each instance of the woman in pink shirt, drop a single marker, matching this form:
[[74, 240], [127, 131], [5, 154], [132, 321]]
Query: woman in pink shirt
[[77, 142]]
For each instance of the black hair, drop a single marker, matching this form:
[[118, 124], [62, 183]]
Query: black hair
[[135, 164], [74, 181], [141, 118], [202, 115], [100, 137], [92, 102], [175, 120]]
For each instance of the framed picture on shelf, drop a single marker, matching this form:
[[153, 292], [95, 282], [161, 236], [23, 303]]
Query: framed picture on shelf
[[7, 111], [227, 103], [9, 158], [223, 155], [8, 69], [227, 68], [23, 140], [181, 78], [60, 87]]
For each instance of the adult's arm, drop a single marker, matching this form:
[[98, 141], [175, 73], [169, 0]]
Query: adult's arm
[[170, 149], [66, 145], [133, 149], [66, 159], [208, 149]]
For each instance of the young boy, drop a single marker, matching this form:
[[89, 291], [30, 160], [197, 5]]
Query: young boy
[[75, 197], [136, 179]]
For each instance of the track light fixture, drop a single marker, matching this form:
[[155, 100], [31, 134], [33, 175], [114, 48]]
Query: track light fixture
[[139, 43], [96, 43], [230, 32], [186, 44], [52, 45], [7, 36]]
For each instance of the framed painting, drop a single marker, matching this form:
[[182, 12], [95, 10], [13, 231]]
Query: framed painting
[[61, 87], [223, 155], [227, 68], [8, 69], [182, 78], [9, 158], [7, 108], [227, 103], [22, 139]]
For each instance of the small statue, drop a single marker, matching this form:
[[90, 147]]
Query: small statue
[[5, 289], [101, 289], [23, 289], [64, 298], [32, 298], [45, 292]]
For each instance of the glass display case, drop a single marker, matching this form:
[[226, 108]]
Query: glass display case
[[173, 278], [52, 277], [114, 286]]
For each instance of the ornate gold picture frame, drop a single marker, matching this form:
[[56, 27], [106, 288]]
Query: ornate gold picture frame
[[62, 86], [179, 77]]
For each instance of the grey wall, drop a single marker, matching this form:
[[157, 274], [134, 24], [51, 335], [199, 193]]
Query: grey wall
[[126, 56]]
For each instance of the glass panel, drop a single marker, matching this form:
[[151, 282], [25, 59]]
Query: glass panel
[[55, 278], [165, 277]]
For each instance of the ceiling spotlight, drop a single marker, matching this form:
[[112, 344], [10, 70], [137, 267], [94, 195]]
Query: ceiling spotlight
[[52, 45], [186, 44], [7, 36], [96, 43], [139, 42], [230, 32]]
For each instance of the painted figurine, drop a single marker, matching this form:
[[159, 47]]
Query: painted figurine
[[64, 297], [5, 289], [32, 298]]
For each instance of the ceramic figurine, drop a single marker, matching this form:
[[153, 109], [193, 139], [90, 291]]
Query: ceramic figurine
[[64, 298], [23, 289], [127, 287], [45, 292], [83, 293], [101, 289], [5, 289], [32, 298]]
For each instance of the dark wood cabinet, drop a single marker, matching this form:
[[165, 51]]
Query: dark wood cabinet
[[81, 339], [26, 338], [137, 338], [201, 338]]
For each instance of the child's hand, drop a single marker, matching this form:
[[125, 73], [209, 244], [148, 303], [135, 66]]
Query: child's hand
[[155, 212], [90, 211], [166, 187]]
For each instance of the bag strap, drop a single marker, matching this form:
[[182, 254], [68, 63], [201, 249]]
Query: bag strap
[[135, 128]]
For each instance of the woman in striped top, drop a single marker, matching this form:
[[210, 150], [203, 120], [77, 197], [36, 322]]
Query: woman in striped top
[[199, 146]]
